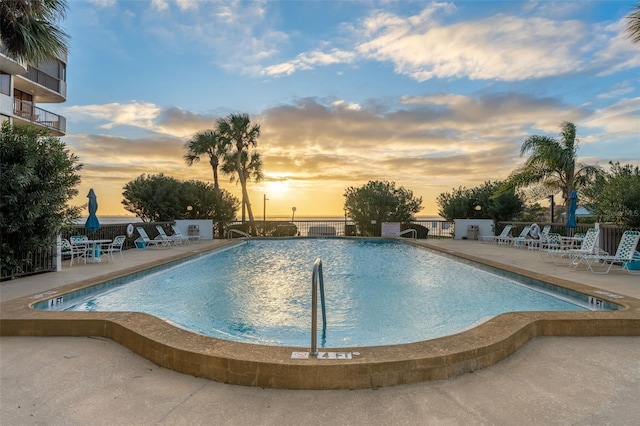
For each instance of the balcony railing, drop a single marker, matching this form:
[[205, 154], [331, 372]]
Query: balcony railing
[[30, 112], [42, 78]]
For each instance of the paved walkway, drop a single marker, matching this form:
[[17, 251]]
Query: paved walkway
[[90, 381]]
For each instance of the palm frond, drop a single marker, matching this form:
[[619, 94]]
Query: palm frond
[[633, 25]]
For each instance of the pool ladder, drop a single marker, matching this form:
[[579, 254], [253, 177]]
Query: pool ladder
[[317, 278]]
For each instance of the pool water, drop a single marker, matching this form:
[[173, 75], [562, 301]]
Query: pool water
[[378, 292]]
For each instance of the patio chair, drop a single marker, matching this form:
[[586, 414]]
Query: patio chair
[[162, 243], [512, 240], [602, 263], [75, 251], [114, 246], [175, 239], [178, 233], [493, 238]]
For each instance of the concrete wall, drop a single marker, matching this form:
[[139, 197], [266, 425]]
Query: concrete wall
[[485, 227]]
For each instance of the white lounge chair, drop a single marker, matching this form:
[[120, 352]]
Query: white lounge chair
[[589, 245], [149, 242], [178, 233], [602, 263], [493, 238], [512, 240], [173, 239], [321, 231], [549, 244]]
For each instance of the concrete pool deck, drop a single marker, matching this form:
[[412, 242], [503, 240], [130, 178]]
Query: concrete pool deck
[[550, 380]]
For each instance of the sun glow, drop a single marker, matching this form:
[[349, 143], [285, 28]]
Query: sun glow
[[277, 187]]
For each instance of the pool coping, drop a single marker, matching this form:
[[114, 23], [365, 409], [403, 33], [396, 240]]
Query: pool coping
[[273, 367]]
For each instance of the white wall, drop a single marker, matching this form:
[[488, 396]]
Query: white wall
[[485, 227], [206, 227]]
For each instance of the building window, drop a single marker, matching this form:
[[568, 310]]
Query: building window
[[5, 84]]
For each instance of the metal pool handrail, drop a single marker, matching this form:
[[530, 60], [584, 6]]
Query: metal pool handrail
[[316, 277], [237, 231], [411, 231]]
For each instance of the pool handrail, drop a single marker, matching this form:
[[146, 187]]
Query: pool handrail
[[408, 231], [316, 277], [237, 231]]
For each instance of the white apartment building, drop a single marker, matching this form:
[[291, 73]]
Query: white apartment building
[[25, 87]]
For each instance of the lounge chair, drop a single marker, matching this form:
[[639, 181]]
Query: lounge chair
[[75, 251], [493, 238], [321, 231], [178, 233], [149, 242], [114, 246], [173, 239], [589, 245], [512, 240], [602, 263], [549, 244]]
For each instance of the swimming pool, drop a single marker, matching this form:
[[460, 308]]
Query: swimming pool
[[379, 292]]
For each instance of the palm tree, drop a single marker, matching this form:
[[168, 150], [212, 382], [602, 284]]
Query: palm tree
[[633, 25], [243, 135], [28, 30], [552, 164], [251, 169], [208, 142]]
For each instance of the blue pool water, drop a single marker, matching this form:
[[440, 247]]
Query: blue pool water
[[378, 292]]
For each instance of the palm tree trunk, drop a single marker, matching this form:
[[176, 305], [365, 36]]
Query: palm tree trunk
[[216, 186], [245, 195]]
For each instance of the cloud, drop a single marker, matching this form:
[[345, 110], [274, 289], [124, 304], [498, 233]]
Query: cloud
[[499, 47], [429, 143], [234, 34], [136, 114], [159, 5], [104, 3], [310, 60], [618, 53]]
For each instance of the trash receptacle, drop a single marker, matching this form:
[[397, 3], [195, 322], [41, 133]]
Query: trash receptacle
[[193, 231], [472, 232]]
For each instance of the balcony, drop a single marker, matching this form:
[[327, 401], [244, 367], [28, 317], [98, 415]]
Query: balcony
[[27, 113], [10, 65]]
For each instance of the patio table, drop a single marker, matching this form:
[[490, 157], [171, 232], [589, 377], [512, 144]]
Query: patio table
[[92, 246]]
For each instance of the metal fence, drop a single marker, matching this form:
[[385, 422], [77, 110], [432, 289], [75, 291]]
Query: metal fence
[[328, 228], [28, 263]]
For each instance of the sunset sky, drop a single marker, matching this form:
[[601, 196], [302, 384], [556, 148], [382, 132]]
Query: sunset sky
[[431, 95]]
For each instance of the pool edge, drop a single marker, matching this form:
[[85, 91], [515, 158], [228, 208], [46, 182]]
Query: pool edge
[[264, 366]]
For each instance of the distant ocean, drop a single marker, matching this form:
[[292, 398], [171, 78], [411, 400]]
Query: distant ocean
[[112, 220]]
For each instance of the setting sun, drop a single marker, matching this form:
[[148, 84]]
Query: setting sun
[[276, 188]]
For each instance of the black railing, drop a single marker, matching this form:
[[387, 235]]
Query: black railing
[[335, 227], [29, 262], [110, 231], [28, 111]]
